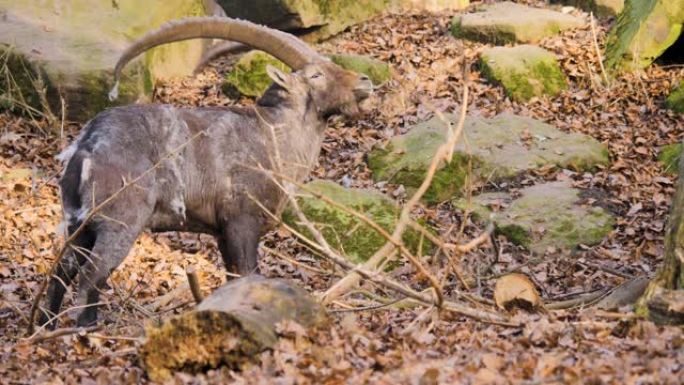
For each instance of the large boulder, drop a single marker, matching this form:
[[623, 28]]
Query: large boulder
[[601, 8], [524, 71], [543, 216], [642, 32], [72, 46], [508, 22], [491, 150], [346, 232], [317, 18]]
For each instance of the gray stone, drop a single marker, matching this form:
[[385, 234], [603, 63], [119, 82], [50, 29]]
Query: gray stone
[[508, 22], [544, 216], [524, 71], [496, 149]]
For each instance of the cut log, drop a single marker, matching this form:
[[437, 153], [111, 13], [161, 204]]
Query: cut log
[[230, 327]]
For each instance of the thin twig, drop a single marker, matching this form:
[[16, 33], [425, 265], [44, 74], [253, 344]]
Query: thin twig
[[60, 333], [598, 50], [371, 223]]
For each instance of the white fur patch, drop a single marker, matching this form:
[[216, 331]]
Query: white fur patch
[[86, 168]]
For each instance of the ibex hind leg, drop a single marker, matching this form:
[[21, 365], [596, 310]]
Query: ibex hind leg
[[65, 273], [114, 241]]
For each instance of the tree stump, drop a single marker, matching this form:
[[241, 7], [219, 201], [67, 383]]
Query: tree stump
[[230, 327]]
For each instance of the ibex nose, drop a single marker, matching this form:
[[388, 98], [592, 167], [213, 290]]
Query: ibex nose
[[365, 87]]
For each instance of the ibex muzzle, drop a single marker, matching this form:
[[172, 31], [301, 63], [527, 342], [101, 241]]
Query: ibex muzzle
[[197, 164]]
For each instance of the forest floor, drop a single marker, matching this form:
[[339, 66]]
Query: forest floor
[[387, 345]]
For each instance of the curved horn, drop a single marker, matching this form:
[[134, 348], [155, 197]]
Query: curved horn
[[281, 45]]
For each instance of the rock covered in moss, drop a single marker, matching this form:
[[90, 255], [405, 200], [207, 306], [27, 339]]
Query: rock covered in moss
[[642, 32], [492, 149], [320, 18], [378, 71], [669, 156], [249, 75], [344, 231], [675, 101], [545, 215], [599, 7], [508, 22], [524, 71], [74, 45]]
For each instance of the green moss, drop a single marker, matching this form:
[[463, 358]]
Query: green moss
[[669, 157], [675, 101], [344, 231], [249, 75], [516, 234], [526, 76], [379, 72], [547, 215]]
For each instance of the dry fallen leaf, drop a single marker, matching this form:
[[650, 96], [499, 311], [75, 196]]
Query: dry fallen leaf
[[516, 290]]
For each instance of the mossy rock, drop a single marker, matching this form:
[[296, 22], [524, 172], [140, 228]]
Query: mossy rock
[[508, 22], [546, 215], [669, 157], [344, 231], [319, 18], [73, 45], [378, 71], [493, 149], [249, 75], [642, 32], [602, 8], [675, 101], [524, 71]]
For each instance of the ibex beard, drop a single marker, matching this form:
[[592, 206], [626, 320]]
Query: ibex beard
[[191, 166]]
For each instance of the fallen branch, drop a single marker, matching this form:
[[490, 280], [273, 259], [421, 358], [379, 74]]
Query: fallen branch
[[378, 278]]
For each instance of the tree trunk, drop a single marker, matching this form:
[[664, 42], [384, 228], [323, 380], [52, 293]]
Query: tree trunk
[[230, 327], [663, 301]]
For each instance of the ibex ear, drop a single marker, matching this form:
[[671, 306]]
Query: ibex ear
[[281, 78]]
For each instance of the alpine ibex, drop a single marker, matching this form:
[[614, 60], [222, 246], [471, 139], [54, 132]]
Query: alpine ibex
[[208, 186]]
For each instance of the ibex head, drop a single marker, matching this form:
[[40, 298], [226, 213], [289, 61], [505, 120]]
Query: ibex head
[[330, 88]]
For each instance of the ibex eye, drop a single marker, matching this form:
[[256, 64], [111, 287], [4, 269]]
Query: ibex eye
[[316, 75]]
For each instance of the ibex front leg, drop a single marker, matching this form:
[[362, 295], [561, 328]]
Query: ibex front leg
[[238, 244]]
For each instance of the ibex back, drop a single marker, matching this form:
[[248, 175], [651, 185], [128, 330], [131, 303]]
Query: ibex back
[[194, 168]]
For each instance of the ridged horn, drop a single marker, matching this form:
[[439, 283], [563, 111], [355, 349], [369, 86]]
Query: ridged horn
[[285, 47]]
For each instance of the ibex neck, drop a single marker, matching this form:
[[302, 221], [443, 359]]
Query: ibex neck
[[297, 134]]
